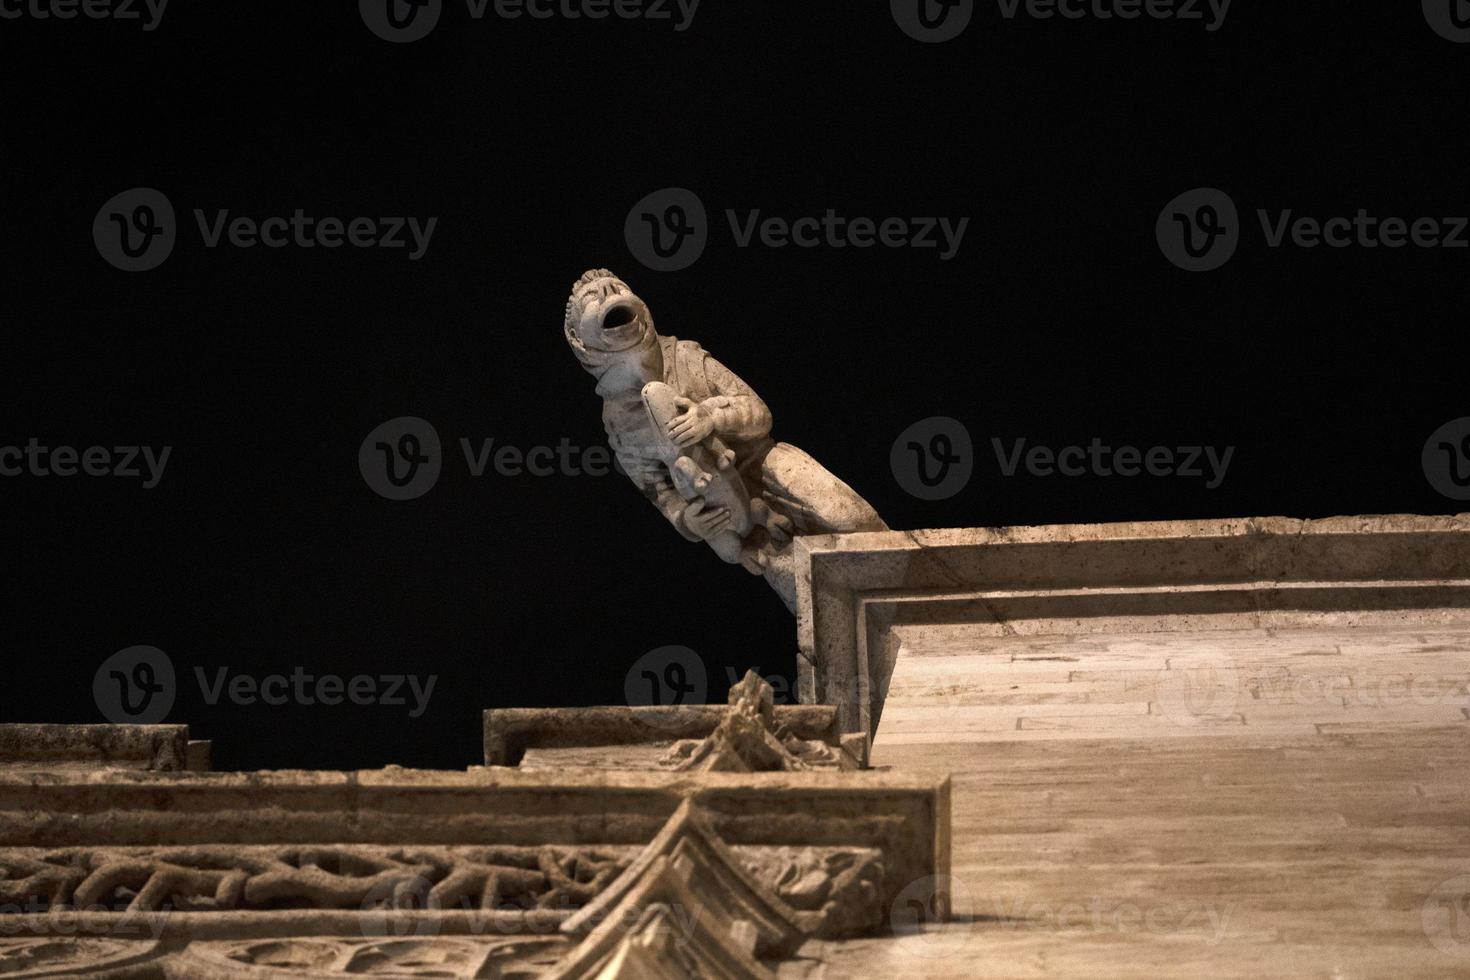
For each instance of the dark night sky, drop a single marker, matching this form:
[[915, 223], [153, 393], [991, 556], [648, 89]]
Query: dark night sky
[[1058, 321]]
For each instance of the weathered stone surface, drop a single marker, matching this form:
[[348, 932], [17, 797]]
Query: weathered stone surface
[[675, 932], [1109, 678], [1268, 803], [711, 871], [164, 748], [841, 887]]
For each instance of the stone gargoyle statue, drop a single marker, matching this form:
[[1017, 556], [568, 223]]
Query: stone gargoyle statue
[[696, 440]]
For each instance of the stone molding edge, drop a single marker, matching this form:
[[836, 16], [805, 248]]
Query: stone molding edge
[[849, 585]]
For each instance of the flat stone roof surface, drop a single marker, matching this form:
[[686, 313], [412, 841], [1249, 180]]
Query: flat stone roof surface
[[1223, 803]]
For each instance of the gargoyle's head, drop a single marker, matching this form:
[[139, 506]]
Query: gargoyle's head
[[604, 315], [611, 331]]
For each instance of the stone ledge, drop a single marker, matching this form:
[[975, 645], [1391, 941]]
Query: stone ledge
[[162, 748], [510, 732], [1270, 571]]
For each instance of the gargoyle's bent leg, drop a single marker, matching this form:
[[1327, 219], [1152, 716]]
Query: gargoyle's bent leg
[[815, 501]]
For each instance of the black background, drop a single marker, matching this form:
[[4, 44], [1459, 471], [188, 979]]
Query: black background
[[1059, 320]]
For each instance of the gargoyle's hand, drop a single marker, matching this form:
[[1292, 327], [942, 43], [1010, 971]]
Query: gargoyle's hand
[[705, 522], [693, 426]]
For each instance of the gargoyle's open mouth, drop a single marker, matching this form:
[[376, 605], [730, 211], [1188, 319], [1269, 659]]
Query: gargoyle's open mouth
[[621, 315]]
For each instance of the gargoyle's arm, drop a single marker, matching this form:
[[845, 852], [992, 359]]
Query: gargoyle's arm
[[736, 409]]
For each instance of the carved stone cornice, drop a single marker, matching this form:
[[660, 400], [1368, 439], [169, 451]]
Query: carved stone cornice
[[403, 873], [854, 591]]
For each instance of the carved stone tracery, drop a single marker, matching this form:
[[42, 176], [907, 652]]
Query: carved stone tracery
[[228, 877]]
